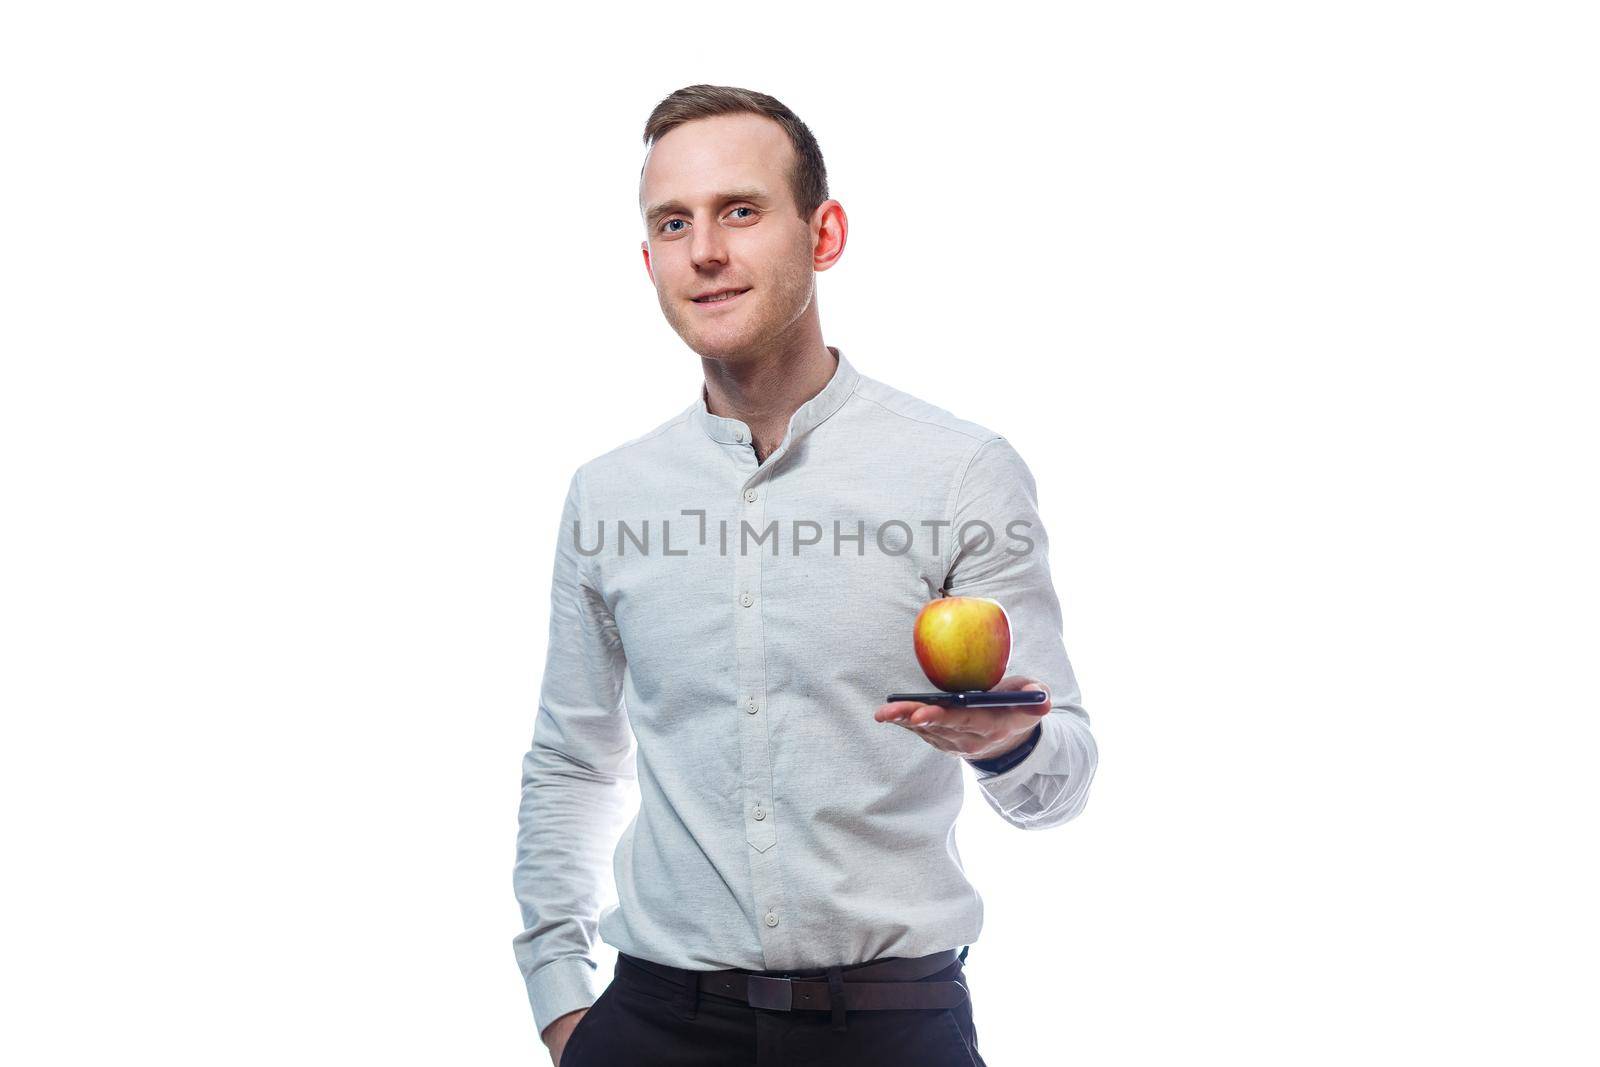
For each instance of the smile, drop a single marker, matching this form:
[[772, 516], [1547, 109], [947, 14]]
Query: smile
[[720, 301]]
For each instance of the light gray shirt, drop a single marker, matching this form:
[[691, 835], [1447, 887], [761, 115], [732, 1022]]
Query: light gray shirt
[[721, 632]]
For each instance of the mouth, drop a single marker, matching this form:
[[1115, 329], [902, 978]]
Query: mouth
[[722, 299]]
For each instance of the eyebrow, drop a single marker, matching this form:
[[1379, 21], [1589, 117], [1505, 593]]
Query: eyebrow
[[670, 206]]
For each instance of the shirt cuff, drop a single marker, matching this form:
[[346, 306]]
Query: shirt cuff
[[560, 986]]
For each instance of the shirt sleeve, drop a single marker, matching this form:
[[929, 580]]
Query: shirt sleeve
[[1010, 563], [574, 795]]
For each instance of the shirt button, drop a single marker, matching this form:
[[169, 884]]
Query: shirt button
[[750, 495], [761, 813], [751, 706], [746, 599], [772, 920], [738, 435]]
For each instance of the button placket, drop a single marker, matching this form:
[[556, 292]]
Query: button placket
[[760, 831], [759, 805]]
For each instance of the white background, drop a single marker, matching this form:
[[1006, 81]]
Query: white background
[[309, 311]]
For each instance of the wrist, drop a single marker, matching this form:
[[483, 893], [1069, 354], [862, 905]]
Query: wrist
[[1010, 757]]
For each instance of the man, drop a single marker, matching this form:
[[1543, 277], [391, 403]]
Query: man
[[789, 889]]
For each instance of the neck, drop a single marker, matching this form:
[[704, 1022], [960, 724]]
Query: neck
[[765, 392]]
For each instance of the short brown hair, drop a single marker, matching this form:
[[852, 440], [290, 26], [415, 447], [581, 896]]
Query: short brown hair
[[808, 179]]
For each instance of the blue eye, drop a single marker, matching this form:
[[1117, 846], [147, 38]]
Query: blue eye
[[669, 222]]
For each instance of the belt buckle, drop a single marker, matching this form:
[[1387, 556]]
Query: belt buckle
[[774, 993]]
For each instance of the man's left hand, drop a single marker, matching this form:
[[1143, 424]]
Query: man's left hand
[[971, 733]]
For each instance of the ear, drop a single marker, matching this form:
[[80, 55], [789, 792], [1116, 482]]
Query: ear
[[830, 228], [644, 246]]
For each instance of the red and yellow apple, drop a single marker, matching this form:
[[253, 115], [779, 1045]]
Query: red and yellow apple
[[963, 642]]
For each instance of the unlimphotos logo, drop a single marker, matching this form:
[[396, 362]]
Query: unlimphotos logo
[[892, 537]]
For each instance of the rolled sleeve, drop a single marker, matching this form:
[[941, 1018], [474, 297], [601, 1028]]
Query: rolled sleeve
[[574, 796], [999, 549]]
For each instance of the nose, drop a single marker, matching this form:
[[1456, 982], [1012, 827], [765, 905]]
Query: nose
[[707, 246]]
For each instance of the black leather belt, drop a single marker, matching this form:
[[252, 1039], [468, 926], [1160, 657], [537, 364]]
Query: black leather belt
[[882, 984]]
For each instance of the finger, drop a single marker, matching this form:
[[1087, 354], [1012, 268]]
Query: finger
[[947, 718], [897, 709]]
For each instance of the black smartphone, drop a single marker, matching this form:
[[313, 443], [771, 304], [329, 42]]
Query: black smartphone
[[976, 698]]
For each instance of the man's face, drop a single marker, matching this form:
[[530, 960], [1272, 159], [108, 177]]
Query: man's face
[[702, 240]]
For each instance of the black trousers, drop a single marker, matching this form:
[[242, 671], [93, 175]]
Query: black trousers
[[645, 1020]]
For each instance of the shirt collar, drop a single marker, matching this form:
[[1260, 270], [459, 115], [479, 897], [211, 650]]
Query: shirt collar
[[806, 416]]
